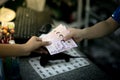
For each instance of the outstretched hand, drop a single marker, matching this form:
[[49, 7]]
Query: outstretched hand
[[76, 34], [35, 43]]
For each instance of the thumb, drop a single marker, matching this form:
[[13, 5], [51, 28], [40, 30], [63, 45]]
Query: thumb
[[67, 37], [45, 43]]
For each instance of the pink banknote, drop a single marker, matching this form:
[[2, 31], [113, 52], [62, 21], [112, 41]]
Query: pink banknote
[[56, 38]]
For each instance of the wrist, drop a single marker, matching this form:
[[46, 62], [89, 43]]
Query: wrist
[[84, 33], [26, 49]]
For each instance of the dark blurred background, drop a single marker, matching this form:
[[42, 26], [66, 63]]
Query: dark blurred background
[[105, 52]]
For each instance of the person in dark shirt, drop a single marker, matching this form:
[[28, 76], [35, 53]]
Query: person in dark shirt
[[98, 30]]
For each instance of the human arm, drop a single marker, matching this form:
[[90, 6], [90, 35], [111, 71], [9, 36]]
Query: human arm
[[98, 30], [22, 49]]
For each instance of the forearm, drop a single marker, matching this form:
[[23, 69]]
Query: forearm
[[100, 29], [13, 50]]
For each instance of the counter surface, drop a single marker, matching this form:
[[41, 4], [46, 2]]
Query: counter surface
[[89, 72]]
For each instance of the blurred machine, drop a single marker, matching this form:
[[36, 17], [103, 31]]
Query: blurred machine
[[29, 22]]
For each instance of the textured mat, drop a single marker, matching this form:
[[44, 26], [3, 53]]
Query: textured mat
[[59, 66]]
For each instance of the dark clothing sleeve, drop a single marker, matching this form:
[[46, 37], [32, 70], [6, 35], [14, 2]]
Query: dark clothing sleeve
[[116, 15]]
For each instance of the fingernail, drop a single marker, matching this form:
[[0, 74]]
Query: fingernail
[[49, 42], [64, 39]]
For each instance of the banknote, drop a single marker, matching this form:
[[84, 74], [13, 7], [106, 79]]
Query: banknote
[[56, 38]]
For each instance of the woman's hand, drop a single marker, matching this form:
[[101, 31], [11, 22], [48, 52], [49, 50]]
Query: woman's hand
[[34, 43]]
